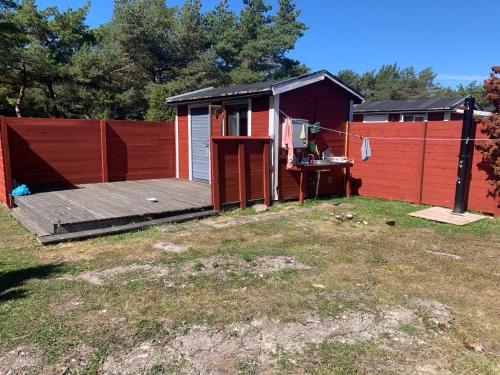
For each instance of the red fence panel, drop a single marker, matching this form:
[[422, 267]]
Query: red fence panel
[[60, 153], [140, 150], [5, 179], [416, 170], [240, 170], [49, 153]]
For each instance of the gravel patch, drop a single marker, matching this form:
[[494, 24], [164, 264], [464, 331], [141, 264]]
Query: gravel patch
[[169, 247], [445, 255], [437, 313], [217, 265], [209, 350]]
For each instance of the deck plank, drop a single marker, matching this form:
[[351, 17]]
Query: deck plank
[[116, 200]]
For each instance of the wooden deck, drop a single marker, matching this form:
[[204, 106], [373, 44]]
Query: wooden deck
[[105, 207]]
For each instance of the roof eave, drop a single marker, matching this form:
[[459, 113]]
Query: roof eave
[[220, 97], [358, 112], [298, 82]]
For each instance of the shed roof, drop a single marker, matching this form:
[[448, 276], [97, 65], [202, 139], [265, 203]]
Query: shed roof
[[409, 105], [272, 87]]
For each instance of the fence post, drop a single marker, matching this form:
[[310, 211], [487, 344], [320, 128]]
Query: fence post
[[6, 161], [215, 175], [266, 171], [104, 151], [421, 169], [347, 170], [242, 175]]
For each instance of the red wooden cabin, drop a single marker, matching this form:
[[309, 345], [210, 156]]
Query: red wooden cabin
[[253, 113]]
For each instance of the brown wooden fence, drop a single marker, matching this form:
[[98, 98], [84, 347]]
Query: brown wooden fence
[[240, 170], [57, 153], [416, 170]]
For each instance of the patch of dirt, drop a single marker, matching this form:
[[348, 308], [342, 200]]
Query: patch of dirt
[[27, 359], [437, 313], [65, 305], [19, 360], [102, 276], [169, 247], [204, 266], [210, 350], [445, 255], [260, 266]]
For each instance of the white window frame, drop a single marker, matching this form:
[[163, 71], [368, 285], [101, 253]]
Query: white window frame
[[381, 118], [447, 116]]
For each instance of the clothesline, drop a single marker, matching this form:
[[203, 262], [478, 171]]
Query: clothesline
[[401, 138]]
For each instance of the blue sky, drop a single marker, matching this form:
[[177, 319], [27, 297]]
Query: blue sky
[[454, 37]]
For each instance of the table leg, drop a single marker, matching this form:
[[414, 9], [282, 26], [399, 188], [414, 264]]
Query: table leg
[[302, 187], [348, 182]]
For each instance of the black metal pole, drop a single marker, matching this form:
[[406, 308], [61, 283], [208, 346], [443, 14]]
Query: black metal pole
[[465, 157]]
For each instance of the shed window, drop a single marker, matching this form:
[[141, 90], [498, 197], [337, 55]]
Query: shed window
[[375, 118], [416, 117], [237, 120]]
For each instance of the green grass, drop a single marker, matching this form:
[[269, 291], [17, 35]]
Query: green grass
[[378, 264]]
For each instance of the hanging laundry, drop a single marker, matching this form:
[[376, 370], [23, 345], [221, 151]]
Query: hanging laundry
[[366, 151], [286, 133], [303, 132], [288, 141]]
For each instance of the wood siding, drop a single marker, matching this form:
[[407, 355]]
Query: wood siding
[[325, 102], [183, 135], [48, 153], [3, 178], [414, 170], [61, 153], [241, 169], [140, 150], [260, 116]]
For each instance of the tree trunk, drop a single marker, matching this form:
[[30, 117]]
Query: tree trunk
[[22, 91]]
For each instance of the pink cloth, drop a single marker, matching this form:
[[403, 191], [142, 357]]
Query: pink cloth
[[287, 141]]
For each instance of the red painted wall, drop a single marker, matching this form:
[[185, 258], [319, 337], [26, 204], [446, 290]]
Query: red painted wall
[[140, 150], [325, 102], [3, 188], [260, 116], [55, 153], [401, 170], [183, 135], [228, 169]]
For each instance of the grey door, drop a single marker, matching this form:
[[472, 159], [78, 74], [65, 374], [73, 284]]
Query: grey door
[[200, 137]]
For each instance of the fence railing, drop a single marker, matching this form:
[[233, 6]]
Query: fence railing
[[240, 170], [56, 153], [419, 170]]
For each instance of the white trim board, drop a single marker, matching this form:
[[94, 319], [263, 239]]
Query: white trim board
[[276, 141], [190, 162]]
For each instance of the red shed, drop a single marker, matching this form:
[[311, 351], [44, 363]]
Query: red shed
[[258, 110]]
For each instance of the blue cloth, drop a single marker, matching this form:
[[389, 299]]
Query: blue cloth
[[366, 151], [20, 191]]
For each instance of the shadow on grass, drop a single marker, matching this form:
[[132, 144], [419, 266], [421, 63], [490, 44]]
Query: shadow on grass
[[11, 280]]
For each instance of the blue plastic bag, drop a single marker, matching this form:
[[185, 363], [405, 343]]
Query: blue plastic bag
[[20, 191]]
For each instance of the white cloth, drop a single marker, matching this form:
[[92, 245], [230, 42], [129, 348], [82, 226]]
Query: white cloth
[[366, 151]]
